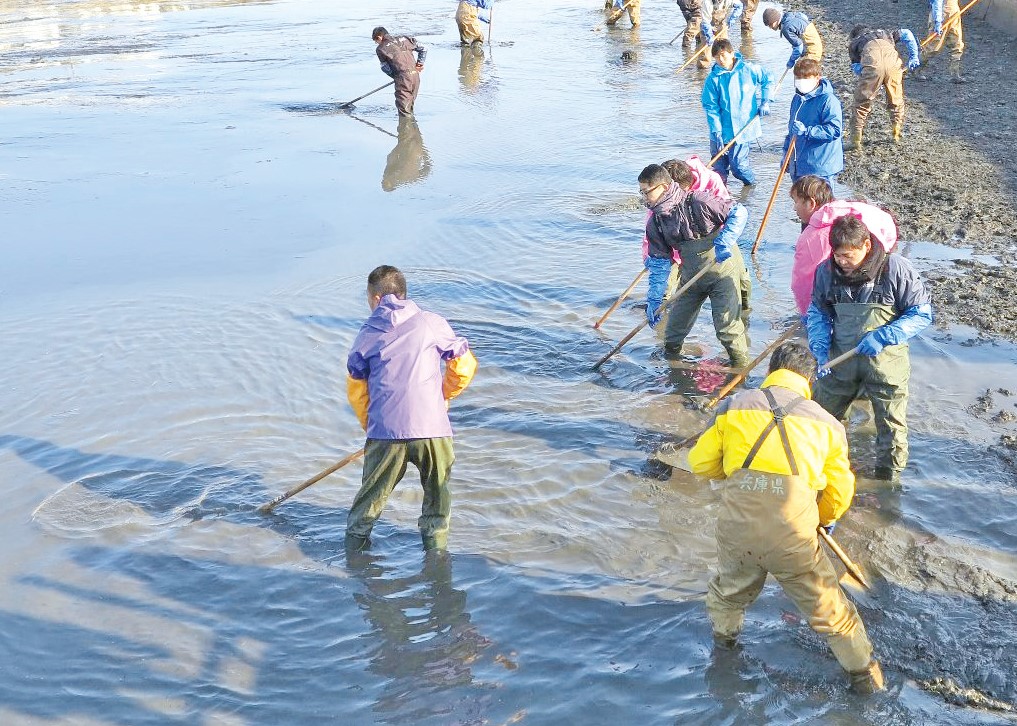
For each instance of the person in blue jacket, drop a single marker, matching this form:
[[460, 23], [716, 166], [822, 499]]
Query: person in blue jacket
[[736, 93], [797, 30], [816, 124], [873, 302]]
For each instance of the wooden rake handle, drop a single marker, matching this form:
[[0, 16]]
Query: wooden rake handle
[[621, 297], [266, 508]]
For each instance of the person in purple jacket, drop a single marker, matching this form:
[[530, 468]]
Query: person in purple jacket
[[396, 387]]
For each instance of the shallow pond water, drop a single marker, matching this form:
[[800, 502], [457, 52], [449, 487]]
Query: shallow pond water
[[189, 220]]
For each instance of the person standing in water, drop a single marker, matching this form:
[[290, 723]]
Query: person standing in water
[[396, 54]]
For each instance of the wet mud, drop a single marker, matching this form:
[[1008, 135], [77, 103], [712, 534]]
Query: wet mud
[[951, 178]]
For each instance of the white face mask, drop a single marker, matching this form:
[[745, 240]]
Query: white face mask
[[806, 85]]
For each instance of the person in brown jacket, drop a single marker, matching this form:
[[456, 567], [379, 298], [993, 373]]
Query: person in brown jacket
[[396, 54]]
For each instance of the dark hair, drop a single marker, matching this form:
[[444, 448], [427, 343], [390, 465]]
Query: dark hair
[[722, 45], [771, 17], [812, 187], [386, 280], [848, 232], [655, 175], [680, 172], [856, 31], [795, 357], [378, 32], [808, 68]]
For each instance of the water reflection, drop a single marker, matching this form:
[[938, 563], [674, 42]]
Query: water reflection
[[422, 640], [409, 162], [471, 61]]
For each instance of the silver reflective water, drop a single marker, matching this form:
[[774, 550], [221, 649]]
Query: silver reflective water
[[189, 218]]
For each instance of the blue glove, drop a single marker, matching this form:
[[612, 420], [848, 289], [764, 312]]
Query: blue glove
[[856, 68], [652, 303], [871, 345], [791, 62], [484, 4], [798, 128], [716, 142], [619, 3], [734, 225], [659, 269], [736, 12], [828, 528], [914, 50], [483, 18], [764, 110], [937, 27], [707, 31], [721, 253]]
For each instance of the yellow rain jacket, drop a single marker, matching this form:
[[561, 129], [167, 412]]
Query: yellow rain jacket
[[818, 441]]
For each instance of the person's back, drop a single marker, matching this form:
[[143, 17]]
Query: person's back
[[400, 396], [772, 450]]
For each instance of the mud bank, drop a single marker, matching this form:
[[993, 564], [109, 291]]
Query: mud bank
[[951, 179]]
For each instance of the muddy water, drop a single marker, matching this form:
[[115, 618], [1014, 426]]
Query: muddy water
[[188, 221]]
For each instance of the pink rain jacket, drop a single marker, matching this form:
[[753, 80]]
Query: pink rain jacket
[[813, 244], [704, 180]]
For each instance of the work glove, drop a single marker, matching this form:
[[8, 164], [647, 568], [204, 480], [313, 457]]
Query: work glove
[[819, 326], [707, 32], [872, 344], [828, 528], [914, 63], [856, 68], [652, 304], [798, 128], [764, 110], [721, 253]]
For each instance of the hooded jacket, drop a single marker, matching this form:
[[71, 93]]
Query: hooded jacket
[[730, 99], [703, 180], [395, 383], [682, 216], [819, 150], [813, 246]]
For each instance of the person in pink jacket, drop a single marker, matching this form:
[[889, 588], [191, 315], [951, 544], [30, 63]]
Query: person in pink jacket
[[818, 210], [694, 175]]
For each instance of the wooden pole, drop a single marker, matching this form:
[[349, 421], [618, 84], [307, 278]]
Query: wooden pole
[[777, 87], [490, 23], [773, 196], [855, 571], [615, 15], [621, 297], [379, 88], [660, 311], [788, 334], [949, 21], [731, 143], [267, 508], [723, 32]]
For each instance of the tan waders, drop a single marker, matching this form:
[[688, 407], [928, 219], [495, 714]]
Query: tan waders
[[615, 14], [881, 68], [813, 43], [407, 85], [767, 524], [882, 380], [467, 18], [747, 14], [385, 465], [722, 286], [952, 36], [692, 11]]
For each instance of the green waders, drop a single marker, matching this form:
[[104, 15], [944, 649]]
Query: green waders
[[767, 524], [883, 381], [722, 285], [385, 465]]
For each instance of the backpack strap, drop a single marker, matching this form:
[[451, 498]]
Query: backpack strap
[[779, 413]]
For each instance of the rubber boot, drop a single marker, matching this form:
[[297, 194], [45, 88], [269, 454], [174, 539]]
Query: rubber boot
[[868, 681], [897, 128], [855, 142], [955, 71]]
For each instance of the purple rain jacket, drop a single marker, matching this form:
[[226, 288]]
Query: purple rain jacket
[[399, 351]]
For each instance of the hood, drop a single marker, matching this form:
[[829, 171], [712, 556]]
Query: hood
[[879, 222], [391, 312], [698, 169], [825, 88], [719, 70]]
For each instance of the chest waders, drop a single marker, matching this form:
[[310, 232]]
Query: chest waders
[[769, 512], [768, 525], [722, 286], [883, 381]]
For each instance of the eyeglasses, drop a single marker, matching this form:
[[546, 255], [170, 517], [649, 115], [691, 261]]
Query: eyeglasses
[[646, 192]]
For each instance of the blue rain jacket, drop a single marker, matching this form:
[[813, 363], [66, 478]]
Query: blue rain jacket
[[731, 98], [792, 27], [819, 151]]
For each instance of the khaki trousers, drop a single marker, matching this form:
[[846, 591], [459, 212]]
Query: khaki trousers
[[881, 68], [953, 36], [613, 16], [469, 24]]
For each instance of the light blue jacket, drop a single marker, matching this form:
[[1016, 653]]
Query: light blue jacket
[[731, 98], [819, 151]]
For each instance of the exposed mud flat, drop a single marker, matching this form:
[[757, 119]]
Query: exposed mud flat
[[950, 179]]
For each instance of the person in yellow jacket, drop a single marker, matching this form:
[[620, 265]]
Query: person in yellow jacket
[[400, 395], [773, 450]]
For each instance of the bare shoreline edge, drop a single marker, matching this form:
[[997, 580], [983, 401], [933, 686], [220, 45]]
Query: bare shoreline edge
[[952, 178]]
